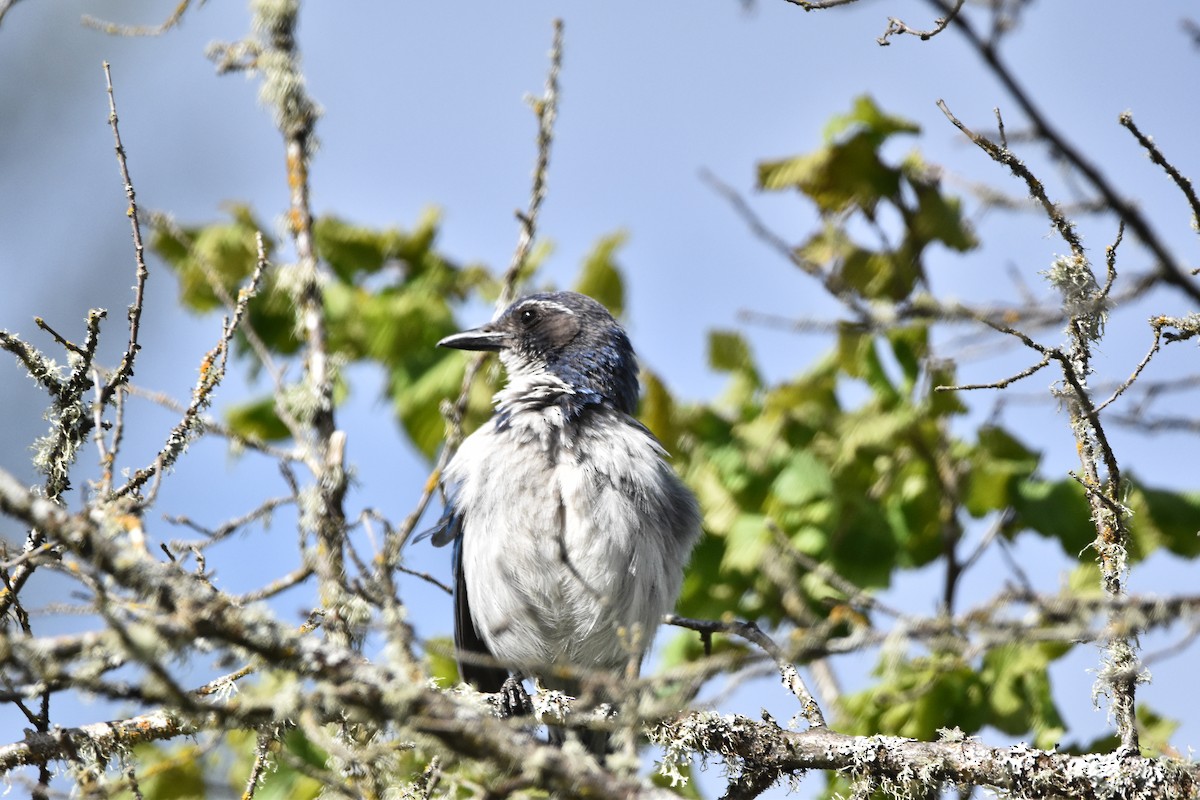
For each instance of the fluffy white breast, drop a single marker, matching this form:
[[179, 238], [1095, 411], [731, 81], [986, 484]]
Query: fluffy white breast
[[571, 536]]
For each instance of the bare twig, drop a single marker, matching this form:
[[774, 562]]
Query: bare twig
[[546, 109], [279, 585], [125, 370], [1157, 326], [268, 362], [1184, 184], [898, 27], [1168, 266], [209, 424], [777, 243], [212, 371], [817, 5], [1000, 384], [229, 527], [114, 29], [262, 755], [295, 115], [1002, 155], [749, 631]]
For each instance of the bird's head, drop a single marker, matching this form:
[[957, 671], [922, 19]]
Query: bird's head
[[566, 335]]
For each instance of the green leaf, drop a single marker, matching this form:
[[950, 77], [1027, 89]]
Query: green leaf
[[600, 277], [728, 352], [272, 315], [747, 543], [866, 116], [943, 404], [876, 376], [1019, 694], [910, 346], [223, 254], [802, 481], [1165, 519], [354, 250], [257, 420], [1154, 733], [170, 773], [879, 275], [998, 464], [398, 327], [854, 347], [862, 547], [847, 171], [835, 177], [1057, 510], [938, 218], [915, 698], [658, 411], [417, 399], [440, 662]]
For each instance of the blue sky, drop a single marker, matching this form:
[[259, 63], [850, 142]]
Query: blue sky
[[423, 107]]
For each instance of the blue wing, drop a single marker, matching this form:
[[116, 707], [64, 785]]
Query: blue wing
[[467, 640], [444, 531]]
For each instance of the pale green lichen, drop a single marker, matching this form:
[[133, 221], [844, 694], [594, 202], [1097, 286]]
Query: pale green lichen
[[1082, 298]]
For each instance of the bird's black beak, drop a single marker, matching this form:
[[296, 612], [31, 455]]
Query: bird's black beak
[[484, 337]]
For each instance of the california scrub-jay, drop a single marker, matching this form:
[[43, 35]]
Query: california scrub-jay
[[570, 530]]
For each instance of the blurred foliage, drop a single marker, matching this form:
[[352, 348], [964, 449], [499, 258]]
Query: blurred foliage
[[169, 773], [388, 299], [854, 462], [188, 771], [1154, 735]]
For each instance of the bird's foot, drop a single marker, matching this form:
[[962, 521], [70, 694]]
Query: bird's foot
[[514, 700]]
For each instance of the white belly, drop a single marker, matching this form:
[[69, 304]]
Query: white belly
[[560, 562]]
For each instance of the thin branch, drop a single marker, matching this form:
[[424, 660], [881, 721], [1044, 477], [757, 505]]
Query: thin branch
[[278, 586], [71, 346], [1169, 268], [817, 5], [425, 576], [212, 371], [750, 631], [36, 364], [295, 115], [226, 529], [125, 370], [898, 27], [114, 29], [1110, 261], [211, 425], [777, 243], [1003, 155], [262, 754], [1156, 156], [546, 109], [1019, 770], [1157, 326], [276, 373], [1000, 384]]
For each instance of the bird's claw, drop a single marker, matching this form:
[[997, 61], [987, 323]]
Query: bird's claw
[[514, 700]]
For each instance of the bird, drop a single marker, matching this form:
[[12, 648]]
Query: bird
[[570, 530]]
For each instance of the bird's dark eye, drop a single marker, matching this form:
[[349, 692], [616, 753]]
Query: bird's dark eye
[[528, 316]]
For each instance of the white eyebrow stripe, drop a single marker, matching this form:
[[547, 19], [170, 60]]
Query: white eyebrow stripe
[[549, 304]]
